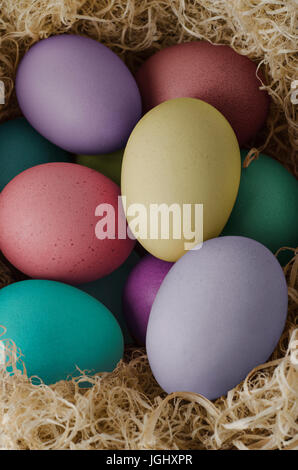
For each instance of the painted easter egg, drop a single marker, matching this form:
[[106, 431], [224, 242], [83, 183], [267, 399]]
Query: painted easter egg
[[140, 291], [109, 289], [52, 219], [266, 207], [21, 147], [181, 154], [59, 329], [109, 164], [219, 313], [78, 94], [213, 73]]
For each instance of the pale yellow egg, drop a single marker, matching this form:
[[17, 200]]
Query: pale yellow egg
[[182, 152]]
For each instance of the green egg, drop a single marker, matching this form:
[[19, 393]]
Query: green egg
[[266, 207], [108, 290], [108, 164], [59, 328], [21, 147]]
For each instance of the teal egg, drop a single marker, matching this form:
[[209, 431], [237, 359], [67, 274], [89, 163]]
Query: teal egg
[[266, 207], [21, 147], [59, 328], [109, 289]]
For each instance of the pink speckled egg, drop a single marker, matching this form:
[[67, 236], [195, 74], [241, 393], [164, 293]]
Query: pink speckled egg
[[48, 222]]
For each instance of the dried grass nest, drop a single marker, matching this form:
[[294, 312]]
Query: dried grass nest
[[126, 409]]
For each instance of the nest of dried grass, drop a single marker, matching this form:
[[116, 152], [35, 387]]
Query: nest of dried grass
[[126, 409]]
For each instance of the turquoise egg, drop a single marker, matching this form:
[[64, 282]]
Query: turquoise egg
[[21, 147], [59, 328], [109, 289]]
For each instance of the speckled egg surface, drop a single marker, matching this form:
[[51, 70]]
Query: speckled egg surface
[[47, 219], [213, 73]]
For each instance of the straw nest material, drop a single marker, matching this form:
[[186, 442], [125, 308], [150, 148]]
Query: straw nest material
[[126, 409]]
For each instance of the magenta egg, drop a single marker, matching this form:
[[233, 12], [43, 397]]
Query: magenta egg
[[139, 293]]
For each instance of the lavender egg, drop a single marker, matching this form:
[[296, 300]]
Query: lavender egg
[[139, 293], [219, 313], [78, 94]]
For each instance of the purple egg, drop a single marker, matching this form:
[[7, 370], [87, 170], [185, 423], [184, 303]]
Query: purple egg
[[139, 293], [218, 314], [78, 94]]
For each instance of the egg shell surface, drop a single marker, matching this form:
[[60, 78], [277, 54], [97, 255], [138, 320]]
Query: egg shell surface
[[219, 313], [266, 207], [109, 289], [181, 152], [139, 293], [58, 328], [48, 222], [213, 73], [109, 164], [21, 147], [78, 94]]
